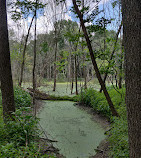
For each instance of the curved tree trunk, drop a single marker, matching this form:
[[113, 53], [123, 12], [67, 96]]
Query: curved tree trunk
[[5, 65], [24, 50], [131, 11]]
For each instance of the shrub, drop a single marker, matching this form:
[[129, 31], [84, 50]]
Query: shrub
[[119, 138], [96, 100], [10, 151], [22, 98], [86, 96], [18, 137], [23, 130]]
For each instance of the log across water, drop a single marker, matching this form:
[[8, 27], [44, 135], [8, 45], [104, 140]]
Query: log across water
[[43, 96]]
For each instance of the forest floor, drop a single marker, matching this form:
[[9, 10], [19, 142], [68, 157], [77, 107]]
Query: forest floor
[[103, 148]]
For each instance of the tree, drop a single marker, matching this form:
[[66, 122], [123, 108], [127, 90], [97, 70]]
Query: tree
[[131, 11], [24, 51], [5, 65], [27, 8], [34, 59], [80, 15]]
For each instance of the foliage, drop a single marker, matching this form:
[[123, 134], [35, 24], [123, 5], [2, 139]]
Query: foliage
[[119, 137], [97, 100], [18, 138], [25, 8], [10, 151], [23, 129], [22, 98]]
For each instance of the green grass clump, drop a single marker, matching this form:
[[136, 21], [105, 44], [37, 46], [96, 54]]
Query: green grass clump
[[118, 135]]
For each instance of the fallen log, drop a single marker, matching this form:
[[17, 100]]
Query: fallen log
[[40, 95], [43, 96]]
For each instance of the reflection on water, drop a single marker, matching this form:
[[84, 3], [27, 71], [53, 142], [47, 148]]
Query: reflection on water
[[73, 128]]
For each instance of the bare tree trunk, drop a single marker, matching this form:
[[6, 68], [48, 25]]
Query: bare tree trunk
[[121, 66], [69, 69], [72, 73], [5, 65], [84, 69], [34, 64], [114, 112], [55, 58], [85, 78], [131, 11], [24, 50], [76, 67]]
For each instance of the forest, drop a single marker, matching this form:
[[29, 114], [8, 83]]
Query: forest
[[70, 79]]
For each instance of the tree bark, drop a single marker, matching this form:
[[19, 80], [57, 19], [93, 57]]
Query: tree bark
[[121, 65], [76, 67], [114, 112], [55, 57], [5, 65], [34, 61], [72, 73], [131, 11], [24, 50]]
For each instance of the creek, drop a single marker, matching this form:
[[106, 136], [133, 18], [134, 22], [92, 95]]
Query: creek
[[77, 135]]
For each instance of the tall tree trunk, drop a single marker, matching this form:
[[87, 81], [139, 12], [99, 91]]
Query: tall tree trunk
[[131, 11], [72, 73], [24, 50], [121, 65], [76, 67], [34, 61], [85, 78], [55, 58], [114, 112], [5, 65], [84, 69]]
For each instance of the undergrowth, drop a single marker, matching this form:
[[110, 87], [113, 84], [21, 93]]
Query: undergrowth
[[64, 98], [19, 138], [118, 135]]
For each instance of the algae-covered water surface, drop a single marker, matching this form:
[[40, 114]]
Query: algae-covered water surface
[[77, 135]]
